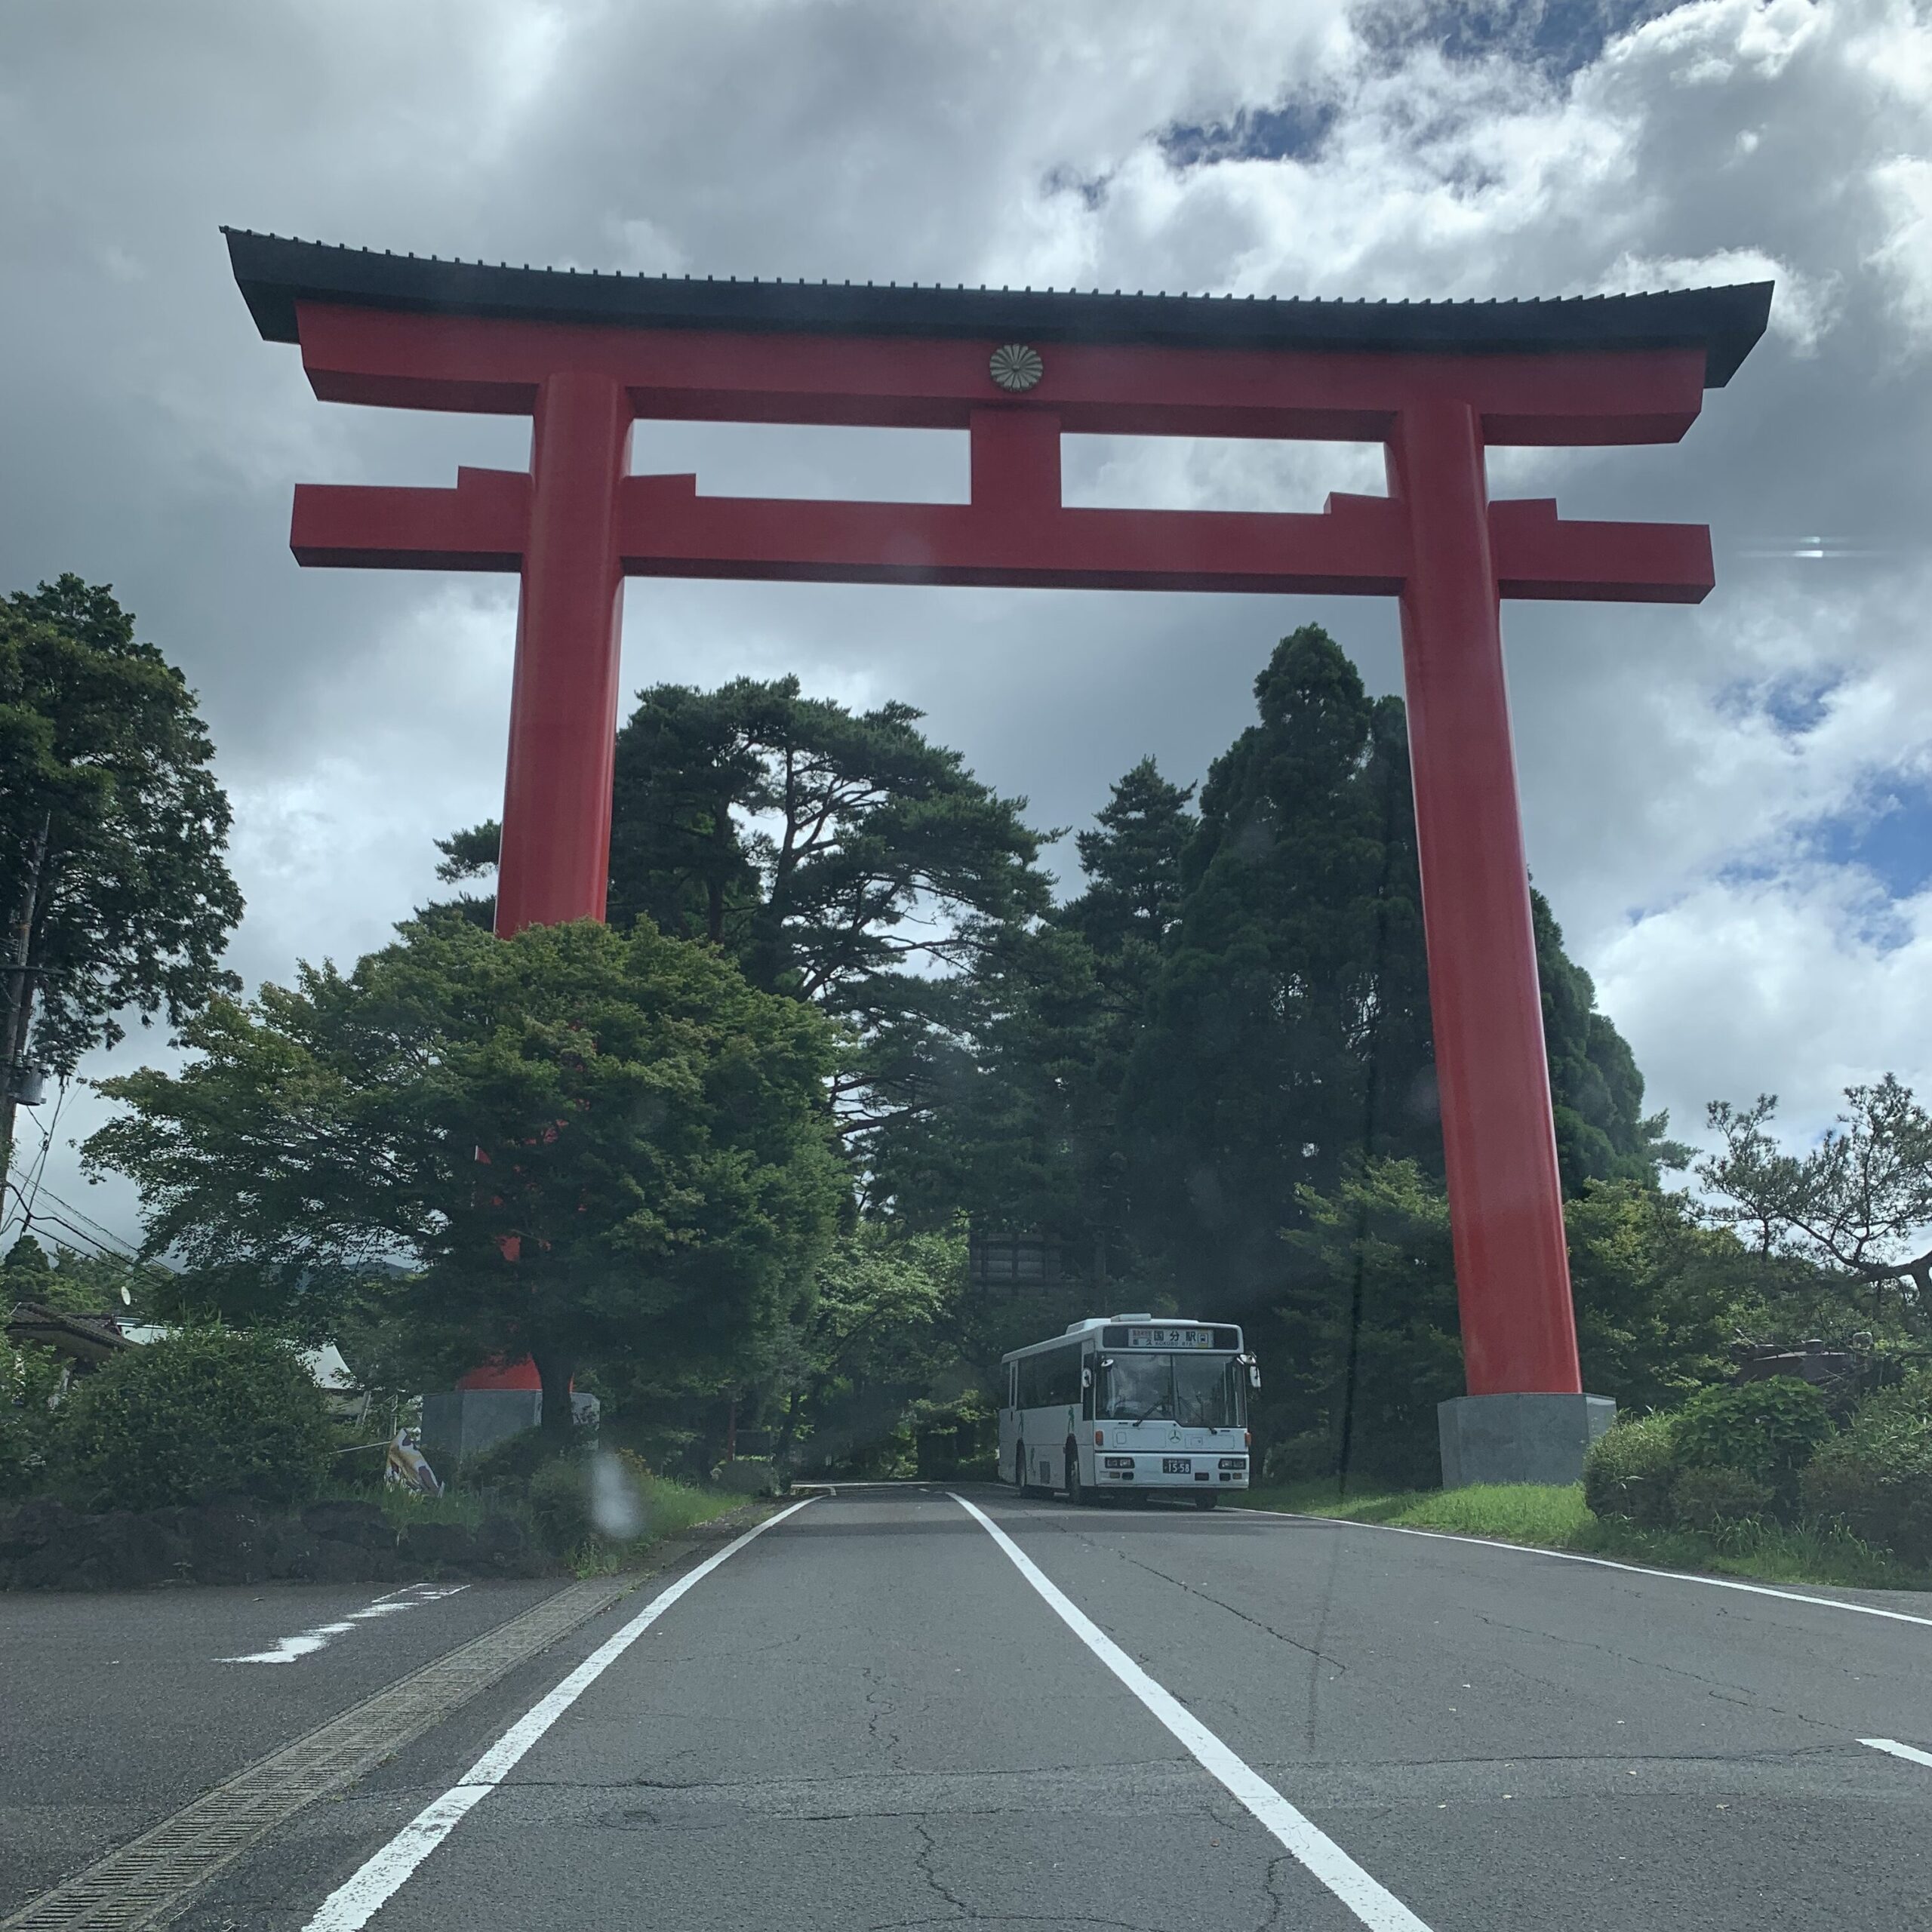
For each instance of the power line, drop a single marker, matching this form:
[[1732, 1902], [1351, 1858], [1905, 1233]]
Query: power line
[[93, 1247], [101, 1233], [46, 1143], [101, 1245]]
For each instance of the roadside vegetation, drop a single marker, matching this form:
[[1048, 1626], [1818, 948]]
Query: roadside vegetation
[[1541, 1518], [1751, 1480], [725, 1162]]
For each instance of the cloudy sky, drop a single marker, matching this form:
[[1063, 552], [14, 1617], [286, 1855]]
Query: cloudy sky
[[1728, 806]]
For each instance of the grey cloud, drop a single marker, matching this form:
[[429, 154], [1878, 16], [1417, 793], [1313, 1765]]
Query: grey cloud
[[152, 440]]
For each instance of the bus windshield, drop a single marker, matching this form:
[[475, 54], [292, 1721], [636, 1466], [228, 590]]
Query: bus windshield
[[1196, 1391]]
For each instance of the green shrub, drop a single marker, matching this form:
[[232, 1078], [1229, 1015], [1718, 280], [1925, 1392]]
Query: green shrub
[[1766, 1430], [206, 1412], [1629, 1472], [507, 1464], [749, 1475], [29, 1378], [1706, 1499], [1876, 1478], [1302, 1458], [559, 1498]]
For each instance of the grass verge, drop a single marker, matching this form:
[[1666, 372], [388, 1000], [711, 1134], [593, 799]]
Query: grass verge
[[1544, 1517], [670, 1509]]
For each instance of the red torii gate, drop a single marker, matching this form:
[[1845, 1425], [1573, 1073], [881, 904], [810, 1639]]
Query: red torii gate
[[584, 355]]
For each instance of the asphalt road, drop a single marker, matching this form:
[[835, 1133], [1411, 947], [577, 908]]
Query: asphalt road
[[115, 1710], [870, 1717]]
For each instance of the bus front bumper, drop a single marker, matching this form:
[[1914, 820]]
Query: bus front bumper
[[1194, 1469]]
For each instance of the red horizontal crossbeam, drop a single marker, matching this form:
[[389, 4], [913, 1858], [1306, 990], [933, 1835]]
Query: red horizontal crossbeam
[[1358, 546], [498, 368]]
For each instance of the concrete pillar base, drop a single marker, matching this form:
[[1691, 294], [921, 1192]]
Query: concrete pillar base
[[1519, 1438], [469, 1421], [462, 1424]]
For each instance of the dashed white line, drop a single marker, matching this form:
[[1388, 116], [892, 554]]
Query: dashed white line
[[1372, 1902], [1910, 1753], [306, 1643], [357, 1900]]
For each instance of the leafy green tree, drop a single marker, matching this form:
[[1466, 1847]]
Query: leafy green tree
[[27, 1272], [1362, 1340], [1288, 1028], [1857, 1205], [113, 882], [656, 1175], [79, 1284], [868, 1342], [840, 857], [1287, 1031], [1657, 1293], [1132, 859]]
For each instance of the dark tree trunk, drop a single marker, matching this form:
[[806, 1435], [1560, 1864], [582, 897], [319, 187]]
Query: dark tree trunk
[[19, 994], [555, 1371], [788, 1433]]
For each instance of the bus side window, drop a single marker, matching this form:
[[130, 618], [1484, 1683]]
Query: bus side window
[[1013, 1385], [1089, 1366]]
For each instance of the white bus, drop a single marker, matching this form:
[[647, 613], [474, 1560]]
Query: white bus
[[1127, 1404]]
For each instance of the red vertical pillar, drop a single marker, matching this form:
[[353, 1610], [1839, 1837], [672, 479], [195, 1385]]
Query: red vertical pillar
[[1505, 1202], [556, 845]]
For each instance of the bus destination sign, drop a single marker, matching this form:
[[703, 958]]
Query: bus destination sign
[[1170, 1338]]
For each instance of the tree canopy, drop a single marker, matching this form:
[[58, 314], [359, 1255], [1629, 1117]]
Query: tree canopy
[[110, 819], [837, 856], [113, 881], [656, 1176], [1858, 1204]]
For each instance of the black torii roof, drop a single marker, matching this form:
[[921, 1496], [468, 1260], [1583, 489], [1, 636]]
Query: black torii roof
[[274, 272]]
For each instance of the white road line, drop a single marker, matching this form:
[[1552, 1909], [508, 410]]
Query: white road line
[[305, 1643], [357, 1900], [1371, 1903], [1910, 1753], [1602, 1563]]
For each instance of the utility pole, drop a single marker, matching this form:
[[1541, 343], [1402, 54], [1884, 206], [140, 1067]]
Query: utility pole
[[19, 1003]]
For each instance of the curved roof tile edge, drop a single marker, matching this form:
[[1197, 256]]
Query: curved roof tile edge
[[275, 272]]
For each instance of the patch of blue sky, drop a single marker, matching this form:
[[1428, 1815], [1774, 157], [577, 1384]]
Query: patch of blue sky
[[1888, 834], [1793, 704], [1293, 130], [1558, 36]]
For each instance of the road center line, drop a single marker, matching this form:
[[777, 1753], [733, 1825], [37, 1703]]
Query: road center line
[[1601, 1563], [357, 1900], [1909, 1752], [1372, 1902], [305, 1643]]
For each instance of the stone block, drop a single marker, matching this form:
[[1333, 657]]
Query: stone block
[[1538, 1438], [439, 1546], [469, 1421]]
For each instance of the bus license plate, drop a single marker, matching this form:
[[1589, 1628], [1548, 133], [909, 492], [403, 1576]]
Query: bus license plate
[[1176, 1466]]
